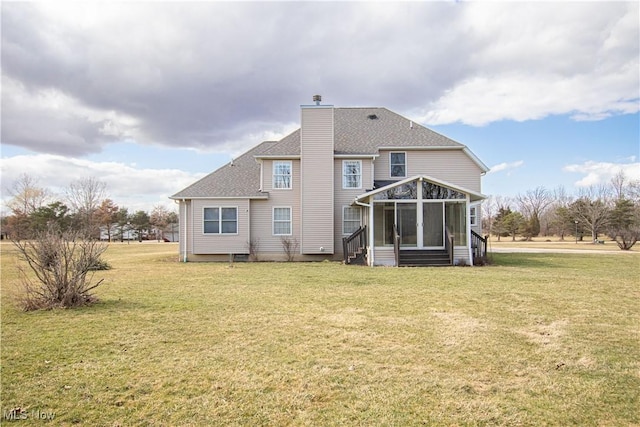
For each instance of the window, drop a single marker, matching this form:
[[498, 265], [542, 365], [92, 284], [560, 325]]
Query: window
[[220, 220], [384, 220], [282, 175], [456, 221], [351, 174], [398, 164], [281, 221], [350, 219], [472, 215]]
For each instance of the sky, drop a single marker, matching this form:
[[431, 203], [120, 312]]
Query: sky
[[148, 97]]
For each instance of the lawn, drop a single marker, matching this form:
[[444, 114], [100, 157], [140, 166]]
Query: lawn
[[555, 243], [534, 339]]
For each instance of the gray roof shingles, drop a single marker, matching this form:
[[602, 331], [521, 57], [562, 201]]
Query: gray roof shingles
[[240, 178], [357, 131]]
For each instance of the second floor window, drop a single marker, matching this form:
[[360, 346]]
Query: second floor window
[[282, 175], [351, 174], [398, 164]]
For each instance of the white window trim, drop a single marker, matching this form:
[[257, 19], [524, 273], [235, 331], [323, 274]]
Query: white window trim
[[273, 174], [344, 208], [473, 219], [273, 221], [220, 233], [391, 165], [359, 187]]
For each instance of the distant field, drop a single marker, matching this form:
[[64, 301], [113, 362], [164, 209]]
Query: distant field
[[534, 339], [555, 243]]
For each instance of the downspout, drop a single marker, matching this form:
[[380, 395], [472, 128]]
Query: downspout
[[184, 259]]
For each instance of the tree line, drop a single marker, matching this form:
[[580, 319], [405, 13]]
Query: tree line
[[84, 207], [611, 210]]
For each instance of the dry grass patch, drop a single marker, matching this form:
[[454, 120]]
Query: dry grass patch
[[555, 243]]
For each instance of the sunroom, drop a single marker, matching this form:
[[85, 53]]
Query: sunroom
[[419, 221]]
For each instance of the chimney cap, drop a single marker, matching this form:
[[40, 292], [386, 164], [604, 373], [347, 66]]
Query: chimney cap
[[317, 99]]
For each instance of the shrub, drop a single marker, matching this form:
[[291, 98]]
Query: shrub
[[62, 266], [290, 247]]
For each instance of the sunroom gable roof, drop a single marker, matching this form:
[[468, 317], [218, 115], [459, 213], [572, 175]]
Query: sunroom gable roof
[[473, 195]]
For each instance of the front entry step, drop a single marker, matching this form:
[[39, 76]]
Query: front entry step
[[423, 258]]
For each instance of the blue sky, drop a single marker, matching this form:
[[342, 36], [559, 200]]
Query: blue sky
[[149, 97]]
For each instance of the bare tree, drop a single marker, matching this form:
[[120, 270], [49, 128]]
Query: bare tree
[[488, 211], [85, 196], [532, 205], [593, 209], [27, 195], [26, 198], [159, 219], [625, 188]]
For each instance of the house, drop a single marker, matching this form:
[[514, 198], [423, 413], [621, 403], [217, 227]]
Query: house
[[363, 185]]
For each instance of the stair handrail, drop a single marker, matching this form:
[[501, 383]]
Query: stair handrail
[[479, 246], [448, 243], [355, 241], [396, 245]]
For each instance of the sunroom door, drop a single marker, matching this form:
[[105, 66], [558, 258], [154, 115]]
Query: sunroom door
[[432, 225], [407, 224]]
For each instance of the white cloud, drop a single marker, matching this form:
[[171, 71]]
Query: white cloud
[[505, 166], [596, 173], [136, 189], [58, 122], [211, 74], [534, 60]]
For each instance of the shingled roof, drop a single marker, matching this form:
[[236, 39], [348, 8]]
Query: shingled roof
[[357, 131], [364, 130], [239, 178]]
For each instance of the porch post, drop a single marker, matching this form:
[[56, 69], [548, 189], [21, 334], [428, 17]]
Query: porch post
[[468, 225], [371, 250]]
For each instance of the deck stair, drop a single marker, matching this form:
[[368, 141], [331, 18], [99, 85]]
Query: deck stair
[[423, 258], [354, 247]]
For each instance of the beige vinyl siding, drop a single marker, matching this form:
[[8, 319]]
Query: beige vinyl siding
[[262, 210], [317, 164], [344, 197], [384, 256], [220, 243], [461, 255], [452, 166]]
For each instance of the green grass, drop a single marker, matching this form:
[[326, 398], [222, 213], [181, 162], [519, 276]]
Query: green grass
[[535, 339]]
